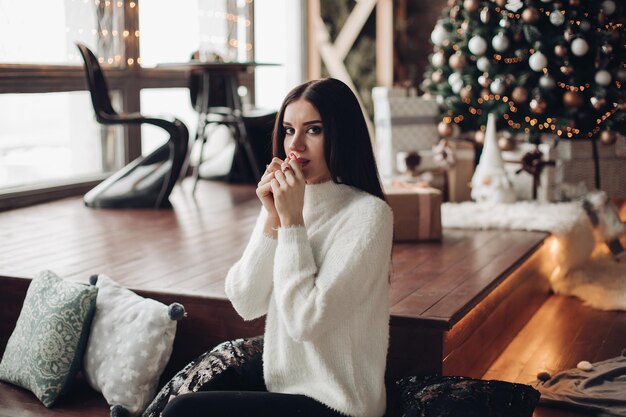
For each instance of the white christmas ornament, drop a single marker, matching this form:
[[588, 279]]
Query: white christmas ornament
[[497, 86], [603, 77], [456, 82], [477, 45], [490, 183], [438, 35], [483, 64], [608, 6], [579, 47], [500, 42], [557, 18], [514, 5], [438, 59], [537, 61], [547, 82]]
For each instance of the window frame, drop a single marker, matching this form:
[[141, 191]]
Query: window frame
[[129, 79]]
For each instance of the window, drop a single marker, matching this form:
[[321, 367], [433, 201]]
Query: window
[[49, 30], [49, 134], [48, 138]]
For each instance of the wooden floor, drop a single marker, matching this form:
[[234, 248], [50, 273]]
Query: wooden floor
[[562, 333]]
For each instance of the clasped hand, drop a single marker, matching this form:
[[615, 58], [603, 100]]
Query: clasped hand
[[281, 190]]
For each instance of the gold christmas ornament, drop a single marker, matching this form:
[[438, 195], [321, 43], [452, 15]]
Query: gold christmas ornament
[[437, 76], [501, 3], [457, 61], [471, 5], [445, 129], [608, 137], [530, 15], [560, 50], [566, 69], [520, 94], [538, 105], [573, 99], [479, 137], [467, 93]]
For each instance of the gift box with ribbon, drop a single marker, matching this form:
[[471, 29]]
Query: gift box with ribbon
[[564, 170], [531, 169], [416, 211]]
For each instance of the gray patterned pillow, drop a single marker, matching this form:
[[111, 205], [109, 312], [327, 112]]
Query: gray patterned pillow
[[45, 350]]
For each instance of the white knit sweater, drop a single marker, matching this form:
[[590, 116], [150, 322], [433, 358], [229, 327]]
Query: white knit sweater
[[324, 289]]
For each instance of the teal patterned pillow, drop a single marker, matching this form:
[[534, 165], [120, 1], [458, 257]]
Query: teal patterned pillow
[[45, 350]]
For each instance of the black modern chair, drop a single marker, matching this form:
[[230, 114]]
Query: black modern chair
[[219, 103], [147, 181]]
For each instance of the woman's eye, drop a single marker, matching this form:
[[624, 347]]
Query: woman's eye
[[289, 131], [314, 130]]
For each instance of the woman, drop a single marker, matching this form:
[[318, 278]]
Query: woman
[[316, 266]]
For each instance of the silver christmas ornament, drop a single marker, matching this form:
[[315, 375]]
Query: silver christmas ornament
[[579, 47], [477, 45], [537, 62], [608, 6], [497, 86], [438, 35], [603, 78], [483, 63], [500, 42], [557, 18], [547, 82], [438, 59]]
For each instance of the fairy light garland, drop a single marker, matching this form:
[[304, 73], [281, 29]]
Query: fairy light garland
[[125, 33], [548, 124]]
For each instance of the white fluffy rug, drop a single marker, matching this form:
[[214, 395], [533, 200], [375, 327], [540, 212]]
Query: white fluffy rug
[[584, 266]]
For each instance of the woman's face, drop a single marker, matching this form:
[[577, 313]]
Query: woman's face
[[304, 136]]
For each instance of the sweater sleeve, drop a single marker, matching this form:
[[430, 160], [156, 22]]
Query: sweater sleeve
[[312, 298], [249, 281]]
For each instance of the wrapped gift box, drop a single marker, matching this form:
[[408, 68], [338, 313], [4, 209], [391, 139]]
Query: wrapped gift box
[[416, 212], [456, 178], [404, 122], [523, 181], [574, 165], [571, 167]]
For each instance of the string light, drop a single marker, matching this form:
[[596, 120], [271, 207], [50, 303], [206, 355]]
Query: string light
[[572, 87]]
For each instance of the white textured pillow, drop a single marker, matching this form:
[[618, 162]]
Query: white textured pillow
[[129, 345]]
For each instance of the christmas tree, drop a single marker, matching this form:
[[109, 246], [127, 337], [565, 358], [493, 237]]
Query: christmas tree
[[553, 66]]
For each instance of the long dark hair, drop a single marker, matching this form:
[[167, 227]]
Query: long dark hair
[[347, 143]]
